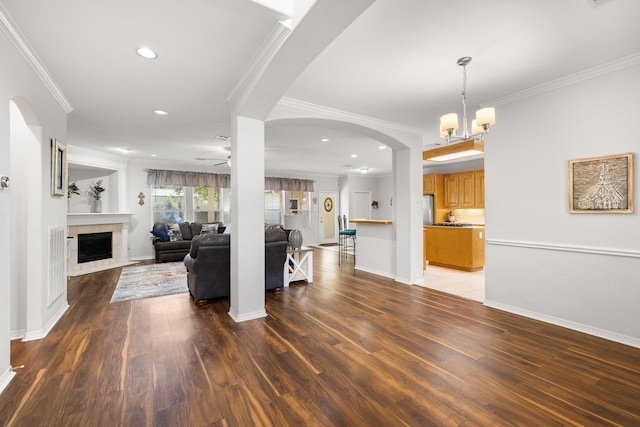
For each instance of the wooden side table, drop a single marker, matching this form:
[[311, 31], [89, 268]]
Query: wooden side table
[[299, 265]]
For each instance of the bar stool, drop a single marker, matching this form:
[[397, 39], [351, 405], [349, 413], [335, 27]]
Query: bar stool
[[344, 235]]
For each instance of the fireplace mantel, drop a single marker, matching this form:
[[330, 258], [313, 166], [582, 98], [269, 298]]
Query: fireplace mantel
[[116, 223], [98, 218]]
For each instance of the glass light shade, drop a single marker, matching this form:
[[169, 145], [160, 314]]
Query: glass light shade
[[475, 129], [296, 222], [486, 116], [449, 121]]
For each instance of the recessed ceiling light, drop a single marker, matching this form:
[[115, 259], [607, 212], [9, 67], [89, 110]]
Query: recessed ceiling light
[[364, 170], [353, 156], [145, 52], [324, 140], [160, 112], [382, 147], [125, 149], [153, 155]]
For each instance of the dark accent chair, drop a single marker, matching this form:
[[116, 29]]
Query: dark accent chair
[[208, 264]]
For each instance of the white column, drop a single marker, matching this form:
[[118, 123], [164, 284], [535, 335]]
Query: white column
[[407, 165], [247, 219]]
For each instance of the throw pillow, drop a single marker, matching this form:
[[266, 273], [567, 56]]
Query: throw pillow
[[209, 228], [174, 231], [161, 233]]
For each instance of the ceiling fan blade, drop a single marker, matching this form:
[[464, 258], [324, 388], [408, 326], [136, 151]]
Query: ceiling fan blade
[[209, 158]]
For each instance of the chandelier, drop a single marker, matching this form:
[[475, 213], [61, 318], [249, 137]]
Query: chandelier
[[466, 144]]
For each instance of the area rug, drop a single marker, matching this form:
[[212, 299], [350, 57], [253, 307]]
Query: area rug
[[151, 280]]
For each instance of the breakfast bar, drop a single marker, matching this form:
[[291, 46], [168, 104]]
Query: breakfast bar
[[376, 246]]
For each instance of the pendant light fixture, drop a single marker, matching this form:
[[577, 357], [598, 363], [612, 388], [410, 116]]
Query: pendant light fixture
[[467, 144]]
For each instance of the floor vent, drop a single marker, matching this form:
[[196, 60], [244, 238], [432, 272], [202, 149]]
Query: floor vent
[[57, 257]]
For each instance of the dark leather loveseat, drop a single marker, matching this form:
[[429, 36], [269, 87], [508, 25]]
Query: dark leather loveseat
[[208, 264], [175, 250]]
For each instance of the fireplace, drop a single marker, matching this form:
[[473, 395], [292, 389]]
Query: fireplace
[[95, 246]]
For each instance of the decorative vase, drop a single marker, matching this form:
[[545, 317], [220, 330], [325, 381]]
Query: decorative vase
[[97, 206]]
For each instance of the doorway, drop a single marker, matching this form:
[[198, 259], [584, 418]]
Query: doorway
[[328, 231]]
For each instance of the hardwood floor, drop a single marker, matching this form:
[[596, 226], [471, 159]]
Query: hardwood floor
[[350, 349]]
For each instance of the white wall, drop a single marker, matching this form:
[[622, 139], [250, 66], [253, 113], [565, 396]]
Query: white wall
[[578, 270], [18, 81], [383, 194]]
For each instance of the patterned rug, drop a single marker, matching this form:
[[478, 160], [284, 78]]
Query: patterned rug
[[151, 280]]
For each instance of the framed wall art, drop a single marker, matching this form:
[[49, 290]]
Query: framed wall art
[[601, 184], [58, 168]]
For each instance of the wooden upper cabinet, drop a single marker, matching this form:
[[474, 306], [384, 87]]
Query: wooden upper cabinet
[[461, 189], [466, 190], [428, 184], [451, 192], [479, 177]]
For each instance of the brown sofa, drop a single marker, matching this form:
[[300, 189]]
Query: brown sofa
[[175, 250]]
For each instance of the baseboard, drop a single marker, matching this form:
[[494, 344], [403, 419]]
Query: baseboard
[[608, 335], [6, 378], [247, 316], [16, 335], [374, 271], [142, 258], [41, 333]]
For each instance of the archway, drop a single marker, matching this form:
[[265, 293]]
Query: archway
[[407, 180], [25, 217]]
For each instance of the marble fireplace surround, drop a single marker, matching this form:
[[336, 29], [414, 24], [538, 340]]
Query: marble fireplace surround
[[81, 223]]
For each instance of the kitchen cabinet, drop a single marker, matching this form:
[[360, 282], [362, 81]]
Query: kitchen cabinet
[[479, 186], [461, 248], [461, 189], [428, 184]]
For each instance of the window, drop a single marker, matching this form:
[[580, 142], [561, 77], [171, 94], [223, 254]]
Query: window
[[168, 203], [272, 207], [296, 202], [207, 204], [174, 203]]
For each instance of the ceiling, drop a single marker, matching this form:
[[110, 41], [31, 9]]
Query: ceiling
[[396, 63]]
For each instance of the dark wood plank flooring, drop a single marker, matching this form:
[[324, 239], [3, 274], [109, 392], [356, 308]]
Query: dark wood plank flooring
[[351, 349]]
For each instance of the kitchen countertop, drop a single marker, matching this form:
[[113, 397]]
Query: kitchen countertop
[[371, 221]]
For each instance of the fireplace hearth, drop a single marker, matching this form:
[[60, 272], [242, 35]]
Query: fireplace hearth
[[95, 246]]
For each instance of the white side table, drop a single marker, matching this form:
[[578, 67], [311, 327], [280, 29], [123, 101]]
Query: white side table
[[299, 265]]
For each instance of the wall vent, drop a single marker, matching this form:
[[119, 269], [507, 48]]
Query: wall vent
[[57, 258]]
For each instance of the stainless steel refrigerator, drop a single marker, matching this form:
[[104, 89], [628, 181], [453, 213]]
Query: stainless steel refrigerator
[[427, 209]]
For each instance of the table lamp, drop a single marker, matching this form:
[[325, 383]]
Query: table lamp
[[295, 223]]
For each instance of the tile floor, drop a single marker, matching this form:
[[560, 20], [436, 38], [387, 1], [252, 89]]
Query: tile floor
[[462, 283]]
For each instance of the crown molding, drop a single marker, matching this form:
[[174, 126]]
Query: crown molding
[[20, 42], [260, 60], [347, 116], [590, 73]]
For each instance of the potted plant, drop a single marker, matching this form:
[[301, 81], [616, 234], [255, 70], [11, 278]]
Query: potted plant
[[72, 189], [96, 190]]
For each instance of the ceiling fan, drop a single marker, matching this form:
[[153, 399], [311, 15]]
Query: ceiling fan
[[222, 161]]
